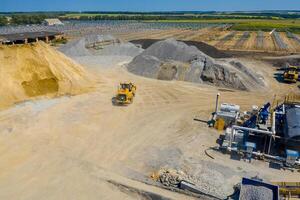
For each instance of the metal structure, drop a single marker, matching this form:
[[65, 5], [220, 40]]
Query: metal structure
[[28, 37], [263, 133]]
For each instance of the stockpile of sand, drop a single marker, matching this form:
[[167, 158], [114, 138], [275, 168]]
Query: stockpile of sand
[[174, 60], [28, 71]]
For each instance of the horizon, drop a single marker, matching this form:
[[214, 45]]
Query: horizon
[[157, 11], [147, 6]]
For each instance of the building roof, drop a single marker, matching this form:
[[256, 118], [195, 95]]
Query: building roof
[[292, 122], [53, 21], [27, 35]]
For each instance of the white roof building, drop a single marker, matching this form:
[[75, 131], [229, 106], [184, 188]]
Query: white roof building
[[52, 22]]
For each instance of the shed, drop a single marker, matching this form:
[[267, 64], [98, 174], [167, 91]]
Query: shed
[[29, 37], [52, 22]]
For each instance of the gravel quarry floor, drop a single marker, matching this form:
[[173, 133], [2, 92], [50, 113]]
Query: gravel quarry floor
[[83, 147]]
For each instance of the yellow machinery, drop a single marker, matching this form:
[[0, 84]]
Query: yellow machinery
[[289, 190], [220, 124], [125, 94], [291, 74]]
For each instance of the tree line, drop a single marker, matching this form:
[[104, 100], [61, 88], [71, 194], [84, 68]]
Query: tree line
[[3, 21], [22, 19], [162, 17]]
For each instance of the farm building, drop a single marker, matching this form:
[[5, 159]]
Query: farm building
[[29, 37], [52, 22]]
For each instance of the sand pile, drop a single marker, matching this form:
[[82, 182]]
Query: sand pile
[[28, 71], [174, 60]]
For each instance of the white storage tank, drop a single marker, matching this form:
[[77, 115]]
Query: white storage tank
[[226, 107]]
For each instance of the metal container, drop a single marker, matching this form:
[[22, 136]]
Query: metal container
[[292, 127], [226, 107], [253, 182]]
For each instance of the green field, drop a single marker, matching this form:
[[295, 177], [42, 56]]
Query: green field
[[292, 25], [280, 25], [247, 23], [239, 21]]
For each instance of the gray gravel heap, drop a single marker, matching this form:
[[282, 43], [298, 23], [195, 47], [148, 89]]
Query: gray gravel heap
[[174, 60], [95, 45], [75, 48], [251, 192], [94, 38], [121, 49]]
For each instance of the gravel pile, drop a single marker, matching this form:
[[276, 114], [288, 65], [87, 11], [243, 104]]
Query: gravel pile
[[202, 179], [122, 49], [251, 192], [171, 49], [100, 51], [94, 38], [171, 177], [75, 48], [174, 60], [253, 76], [80, 47]]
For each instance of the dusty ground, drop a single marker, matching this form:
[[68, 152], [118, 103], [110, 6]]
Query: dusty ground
[[83, 147]]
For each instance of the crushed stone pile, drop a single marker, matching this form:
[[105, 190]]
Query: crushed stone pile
[[93, 45], [29, 71], [252, 192], [80, 47], [172, 178], [75, 48], [100, 51], [174, 60], [94, 39], [205, 48], [121, 49]]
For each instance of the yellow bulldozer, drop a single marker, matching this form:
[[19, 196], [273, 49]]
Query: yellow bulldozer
[[125, 94], [291, 74]]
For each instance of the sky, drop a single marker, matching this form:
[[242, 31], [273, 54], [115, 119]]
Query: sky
[[147, 5]]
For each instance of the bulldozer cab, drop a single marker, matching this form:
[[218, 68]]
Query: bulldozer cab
[[125, 86], [291, 74]]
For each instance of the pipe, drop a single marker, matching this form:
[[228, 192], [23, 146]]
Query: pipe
[[297, 162], [252, 130], [217, 103], [273, 131]]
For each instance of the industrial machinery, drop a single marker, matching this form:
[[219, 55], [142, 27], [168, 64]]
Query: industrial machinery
[[125, 94], [261, 117], [291, 74], [268, 133], [291, 157]]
